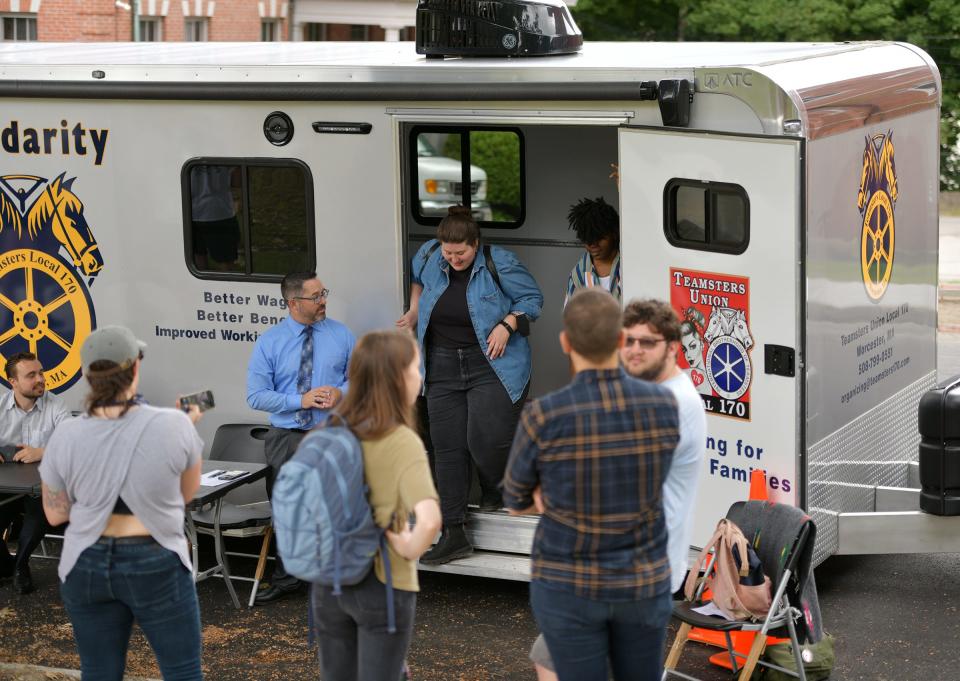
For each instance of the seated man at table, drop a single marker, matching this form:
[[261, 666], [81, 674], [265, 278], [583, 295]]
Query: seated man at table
[[28, 415]]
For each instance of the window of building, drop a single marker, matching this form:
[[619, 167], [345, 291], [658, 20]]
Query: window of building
[[195, 29], [408, 33], [482, 168], [248, 219], [706, 216], [359, 32], [270, 30], [20, 27], [151, 29], [314, 32]]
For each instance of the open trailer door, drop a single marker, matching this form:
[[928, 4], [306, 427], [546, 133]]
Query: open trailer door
[[712, 223]]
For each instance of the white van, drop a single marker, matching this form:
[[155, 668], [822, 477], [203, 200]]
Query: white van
[[783, 197]]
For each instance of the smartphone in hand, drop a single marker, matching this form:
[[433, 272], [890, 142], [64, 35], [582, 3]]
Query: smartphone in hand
[[203, 399], [7, 453]]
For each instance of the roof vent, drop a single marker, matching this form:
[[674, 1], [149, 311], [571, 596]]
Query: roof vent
[[495, 28]]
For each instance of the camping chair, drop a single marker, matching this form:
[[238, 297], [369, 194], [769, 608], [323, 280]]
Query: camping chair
[[246, 510], [783, 537]]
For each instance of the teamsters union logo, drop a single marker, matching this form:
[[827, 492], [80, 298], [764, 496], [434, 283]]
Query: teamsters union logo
[[876, 200], [46, 251]]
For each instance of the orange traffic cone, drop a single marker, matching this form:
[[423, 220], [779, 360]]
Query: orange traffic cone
[[758, 486], [742, 640]]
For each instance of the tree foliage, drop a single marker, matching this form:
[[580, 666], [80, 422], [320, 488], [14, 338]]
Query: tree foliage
[[933, 25]]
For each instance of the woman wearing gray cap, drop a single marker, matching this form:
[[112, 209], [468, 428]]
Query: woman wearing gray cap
[[120, 474]]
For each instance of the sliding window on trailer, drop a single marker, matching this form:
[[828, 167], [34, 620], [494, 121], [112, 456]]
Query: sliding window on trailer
[[247, 219], [478, 167]]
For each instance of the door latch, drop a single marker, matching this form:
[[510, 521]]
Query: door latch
[[779, 360]]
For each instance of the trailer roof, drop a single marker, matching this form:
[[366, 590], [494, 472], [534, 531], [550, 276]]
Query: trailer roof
[[620, 56], [889, 78]]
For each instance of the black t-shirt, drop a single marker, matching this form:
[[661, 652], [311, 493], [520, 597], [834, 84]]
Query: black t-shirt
[[450, 325]]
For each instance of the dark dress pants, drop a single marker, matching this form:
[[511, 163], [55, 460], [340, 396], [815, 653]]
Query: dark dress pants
[[280, 445], [31, 532], [471, 418]]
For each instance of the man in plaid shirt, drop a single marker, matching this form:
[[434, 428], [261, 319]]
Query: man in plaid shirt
[[599, 451]]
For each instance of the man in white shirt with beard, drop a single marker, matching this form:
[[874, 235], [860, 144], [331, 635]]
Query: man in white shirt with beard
[[28, 415]]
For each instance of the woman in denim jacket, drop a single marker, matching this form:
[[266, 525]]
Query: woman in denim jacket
[[476, 364]]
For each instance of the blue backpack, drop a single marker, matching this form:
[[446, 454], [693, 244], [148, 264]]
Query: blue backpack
[[323, 522]]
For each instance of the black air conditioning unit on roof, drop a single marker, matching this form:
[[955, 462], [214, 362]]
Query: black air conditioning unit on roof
[[495, 28]]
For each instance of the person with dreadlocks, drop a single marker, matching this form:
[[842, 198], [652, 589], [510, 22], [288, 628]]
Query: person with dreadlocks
[[597, 225]]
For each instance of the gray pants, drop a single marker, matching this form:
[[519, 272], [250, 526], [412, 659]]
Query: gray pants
[[354, 642], [280, 445]]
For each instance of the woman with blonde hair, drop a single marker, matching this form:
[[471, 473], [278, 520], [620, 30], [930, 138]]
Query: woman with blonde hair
[[384, 384]]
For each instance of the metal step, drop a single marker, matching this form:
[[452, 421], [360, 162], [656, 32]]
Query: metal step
[[499, 531], [487, 564], [913, 474], [897, 499], [897, 532]]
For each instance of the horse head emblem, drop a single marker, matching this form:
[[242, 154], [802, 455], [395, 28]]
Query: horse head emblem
[[878, 169], [887, 166], [58, 210], [728, 321]]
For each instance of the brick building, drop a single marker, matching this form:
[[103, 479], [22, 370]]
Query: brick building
[[206, 20]]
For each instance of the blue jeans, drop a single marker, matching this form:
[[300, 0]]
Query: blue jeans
[[354, 642], [117, 581], [583, 634]]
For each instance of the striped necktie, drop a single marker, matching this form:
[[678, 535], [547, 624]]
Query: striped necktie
[[305, 375]]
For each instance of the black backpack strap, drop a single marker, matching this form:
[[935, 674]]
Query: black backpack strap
[[491, 265], [426, 258], [388, 573]]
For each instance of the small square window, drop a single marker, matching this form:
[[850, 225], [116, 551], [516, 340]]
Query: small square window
[[249, 219], [706, 216], [270, 30], [20, 27], [479, 168], [313, 32], [195, 29], [151, 30]]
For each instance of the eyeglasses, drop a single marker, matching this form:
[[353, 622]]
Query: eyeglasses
[[323, 295], [644, 343]]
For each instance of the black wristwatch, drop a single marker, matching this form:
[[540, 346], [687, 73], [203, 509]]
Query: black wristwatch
[[504, 324]]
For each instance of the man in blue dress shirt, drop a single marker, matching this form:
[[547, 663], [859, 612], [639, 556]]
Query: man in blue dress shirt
[[298, 373]]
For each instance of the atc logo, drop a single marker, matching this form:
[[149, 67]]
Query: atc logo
[[45, 305], [876, 200]]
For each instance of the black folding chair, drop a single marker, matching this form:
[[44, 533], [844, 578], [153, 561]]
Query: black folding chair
[[783, 537], [246, 510]]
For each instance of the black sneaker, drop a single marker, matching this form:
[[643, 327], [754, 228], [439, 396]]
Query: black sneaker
[[453, 544], [491, 500]]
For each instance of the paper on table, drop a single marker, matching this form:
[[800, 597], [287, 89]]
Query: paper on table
[[216, 478], [712, 610], [211, 479]]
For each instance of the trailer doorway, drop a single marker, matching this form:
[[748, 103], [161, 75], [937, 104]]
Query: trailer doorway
[[556, 165]]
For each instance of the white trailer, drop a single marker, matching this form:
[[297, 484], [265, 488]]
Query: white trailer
[[782, 196]]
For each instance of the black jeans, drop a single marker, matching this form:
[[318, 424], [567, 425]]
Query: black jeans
[[471, 417], [279, 446], [354, 642], [31, 532]]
